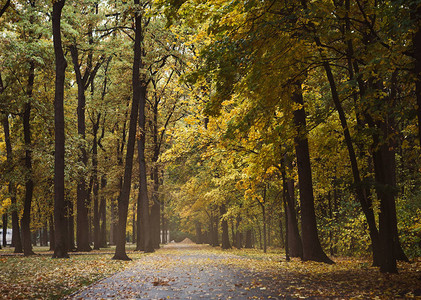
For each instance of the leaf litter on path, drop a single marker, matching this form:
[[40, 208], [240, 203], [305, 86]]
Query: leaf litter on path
[[203, 272]]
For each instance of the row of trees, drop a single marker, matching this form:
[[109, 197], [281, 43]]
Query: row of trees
[[303, 114], [322, 96], [102, 110]]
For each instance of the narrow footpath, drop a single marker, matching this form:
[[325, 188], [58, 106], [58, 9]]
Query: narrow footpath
[[183, 271]]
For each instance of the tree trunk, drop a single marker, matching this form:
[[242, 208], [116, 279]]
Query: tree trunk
[[96, 183], [144, 222], [199, 236], [294, 239], [312, 249], [134, 223], [123, 203], [60, 249], [51, 232], [29, 184], [238, 235], [224, 225], [249, 242], [263, 207], [155, 222], [361, 193], [82, 237], [5, 219], [45, 234], [156, 205], [5, 6], [103, 213], [16, 238], [140, 227], [284, 198], [387, 258], [70, 225]]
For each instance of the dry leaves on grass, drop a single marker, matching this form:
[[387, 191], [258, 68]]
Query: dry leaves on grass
[[41, 277]]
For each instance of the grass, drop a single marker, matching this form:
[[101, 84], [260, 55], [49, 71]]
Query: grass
[[41, 277]]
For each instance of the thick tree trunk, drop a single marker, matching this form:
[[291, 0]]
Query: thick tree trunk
[[16, 238], [224, 225], [29, 184], [123, 203], [381, 159], [312, 249], [60, 249]]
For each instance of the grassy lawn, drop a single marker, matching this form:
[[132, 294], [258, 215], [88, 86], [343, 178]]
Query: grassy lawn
[[41, 277]]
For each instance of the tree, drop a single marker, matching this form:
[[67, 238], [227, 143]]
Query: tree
[[60, 226], [138, 88]]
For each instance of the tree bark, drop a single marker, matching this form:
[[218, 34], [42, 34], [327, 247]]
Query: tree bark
[[312, 249], [82, 237], [29, 184], [381, 159], [60, 249], [156, 205], [103, 213], [95, 126], [293, 238], [123, 203], [145, 241]]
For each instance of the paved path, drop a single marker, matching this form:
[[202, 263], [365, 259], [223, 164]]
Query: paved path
[[182, 271]]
